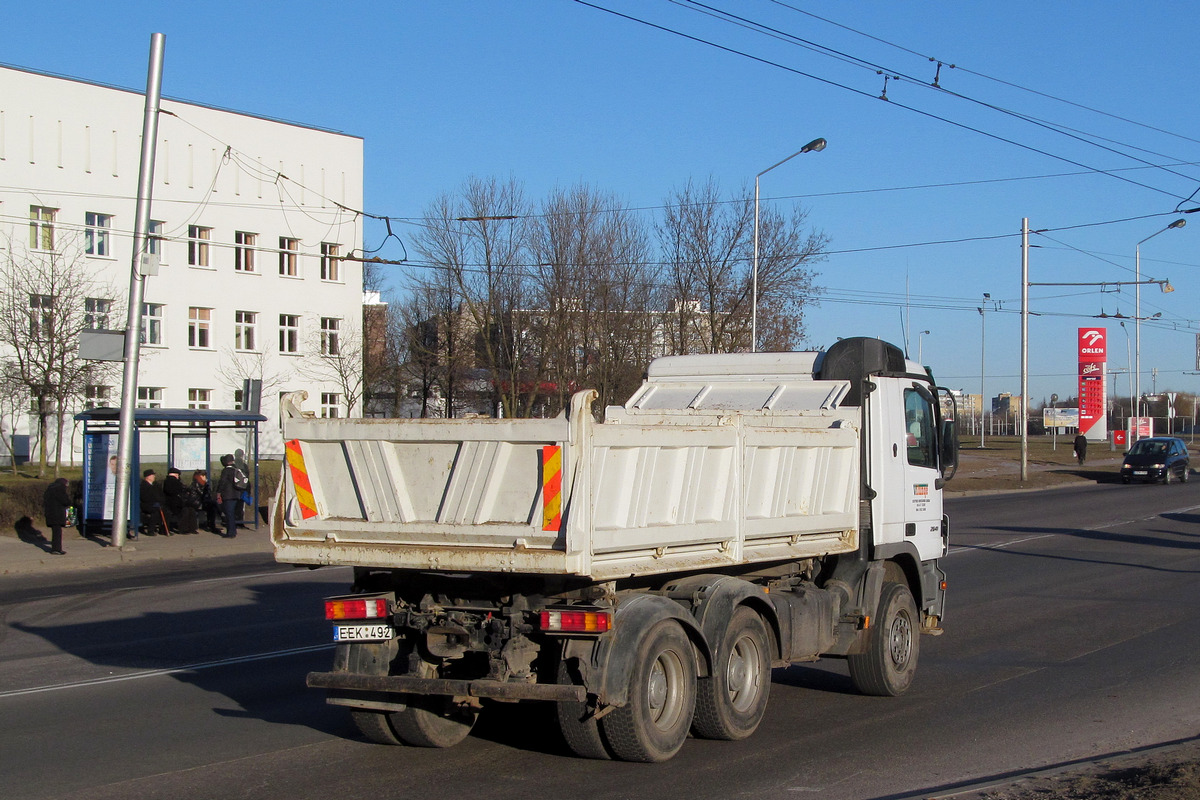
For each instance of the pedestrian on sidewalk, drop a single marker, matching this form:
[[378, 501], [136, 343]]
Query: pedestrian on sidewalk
[[173, 491], [1081, 448], [55, 502], [229, 491]]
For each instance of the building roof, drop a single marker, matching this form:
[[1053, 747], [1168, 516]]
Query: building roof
[[209, 415]]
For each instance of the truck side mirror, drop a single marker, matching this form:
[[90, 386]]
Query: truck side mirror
[[949, 452]]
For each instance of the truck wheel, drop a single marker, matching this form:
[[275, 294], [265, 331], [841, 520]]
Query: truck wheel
[[890, 661], [432, 721], [654, 723], [731, 703], [373, 659], [579, 729]]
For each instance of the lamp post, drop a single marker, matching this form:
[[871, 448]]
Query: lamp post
[[921, 347], [1137, 322], [982, 361], [815, 146]]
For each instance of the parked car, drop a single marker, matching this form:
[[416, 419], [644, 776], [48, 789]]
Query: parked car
[[1160, 458]]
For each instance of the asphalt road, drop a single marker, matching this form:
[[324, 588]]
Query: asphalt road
[[1070, 634]]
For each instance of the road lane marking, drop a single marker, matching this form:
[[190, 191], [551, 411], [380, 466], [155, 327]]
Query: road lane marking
[[154, 673]]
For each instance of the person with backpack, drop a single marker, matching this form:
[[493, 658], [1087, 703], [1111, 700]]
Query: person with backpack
[[229, 491]]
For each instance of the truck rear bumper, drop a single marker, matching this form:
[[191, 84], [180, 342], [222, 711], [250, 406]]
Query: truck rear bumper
[[403, 684]]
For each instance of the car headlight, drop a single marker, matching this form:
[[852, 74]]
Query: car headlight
[[1126, 465], [1156, 466]]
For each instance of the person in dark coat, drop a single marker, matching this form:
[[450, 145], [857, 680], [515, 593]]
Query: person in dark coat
[[206, 503], [228, 494], [55, 503], [152, 499], [173, 493], [1081, 448]]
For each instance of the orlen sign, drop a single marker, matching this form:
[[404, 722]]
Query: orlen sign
[[1093, 355]]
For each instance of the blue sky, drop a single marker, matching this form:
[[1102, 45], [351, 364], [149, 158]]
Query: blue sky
[[553, 93]]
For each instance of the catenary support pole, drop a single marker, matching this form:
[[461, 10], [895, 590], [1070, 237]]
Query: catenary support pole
[[133, 328], [1024, 404]]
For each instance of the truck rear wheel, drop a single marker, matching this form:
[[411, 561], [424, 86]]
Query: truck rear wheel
[[654, 723], [371, 658], [579, 727], [889, 663], [731, 703], [432, 721]]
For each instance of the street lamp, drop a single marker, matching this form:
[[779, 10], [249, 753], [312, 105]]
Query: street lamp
[[921, 347], [1137, 320], [815, 146], [982, 361]]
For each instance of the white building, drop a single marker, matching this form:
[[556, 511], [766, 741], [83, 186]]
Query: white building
[[249, 215]]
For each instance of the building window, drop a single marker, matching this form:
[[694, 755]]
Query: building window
[[198, 239], [149, 397], [329, 336], [288, 250], [97, 228], [199, 398], [289, 333], [329, 404], [96, 396], [41, 228], [330, 262], [95, 314], [243, 329], [41, 316], [199, 320], [152, 323], [155, 241], [243, 251]]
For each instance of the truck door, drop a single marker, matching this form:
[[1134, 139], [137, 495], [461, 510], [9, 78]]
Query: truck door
[[904, 466]]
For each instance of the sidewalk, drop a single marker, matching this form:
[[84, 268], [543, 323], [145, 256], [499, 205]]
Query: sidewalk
[[29, 554]]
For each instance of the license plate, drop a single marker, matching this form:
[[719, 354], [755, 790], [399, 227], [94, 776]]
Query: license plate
[[1140, 472], [362, 633]]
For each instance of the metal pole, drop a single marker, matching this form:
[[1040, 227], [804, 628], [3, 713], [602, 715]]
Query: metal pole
[[1137, 337], [982, 364], [815, 146], [754, 286], [133, 328], [1024, 404]]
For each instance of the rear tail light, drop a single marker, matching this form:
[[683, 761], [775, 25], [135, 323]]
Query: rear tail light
[[374, 608], [576, 621]]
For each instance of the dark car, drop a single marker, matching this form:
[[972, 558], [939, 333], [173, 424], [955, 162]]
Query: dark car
[[1161, 458]]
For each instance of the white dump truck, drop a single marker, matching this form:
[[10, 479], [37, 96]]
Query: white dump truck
[[645, 573]]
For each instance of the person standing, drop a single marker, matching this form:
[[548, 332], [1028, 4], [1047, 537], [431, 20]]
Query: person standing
[[229, 493], [1081, 448], [55, 502]]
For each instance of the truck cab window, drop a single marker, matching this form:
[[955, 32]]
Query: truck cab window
[[919, 427]]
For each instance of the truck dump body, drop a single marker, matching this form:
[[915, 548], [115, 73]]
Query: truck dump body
[[710, 464]]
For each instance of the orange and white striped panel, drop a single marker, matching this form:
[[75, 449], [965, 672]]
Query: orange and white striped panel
[[551, 488], [300, 482]]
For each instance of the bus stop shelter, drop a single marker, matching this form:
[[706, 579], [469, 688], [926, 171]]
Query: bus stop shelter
[[189, 446]]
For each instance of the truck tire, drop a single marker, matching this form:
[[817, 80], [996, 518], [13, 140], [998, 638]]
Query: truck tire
[[890, 661], [653, 725], [579, 728], [432, 721], [730, 704], [373, 659]]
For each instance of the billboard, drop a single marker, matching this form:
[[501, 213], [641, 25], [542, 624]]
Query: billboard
[[1093, 358]]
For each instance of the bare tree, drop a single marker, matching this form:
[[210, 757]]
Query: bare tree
[[708, 248], [238, 366], [337, 357], [593, 292], [14, 400], [477, 244], [47, 298]]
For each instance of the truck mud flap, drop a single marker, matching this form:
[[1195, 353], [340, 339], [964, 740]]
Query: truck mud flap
[[403, 684]]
